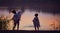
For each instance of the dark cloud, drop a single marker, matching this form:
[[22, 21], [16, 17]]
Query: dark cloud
[[52, 6]]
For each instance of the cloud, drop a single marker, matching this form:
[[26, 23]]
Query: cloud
[[49, 6]]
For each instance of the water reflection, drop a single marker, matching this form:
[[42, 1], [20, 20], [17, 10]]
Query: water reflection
[[47, 21]]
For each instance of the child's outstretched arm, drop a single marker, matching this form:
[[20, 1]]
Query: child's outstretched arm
[[22, 10]]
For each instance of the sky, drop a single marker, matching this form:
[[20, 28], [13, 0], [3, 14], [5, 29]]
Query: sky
[[26, 23], [49, 6]]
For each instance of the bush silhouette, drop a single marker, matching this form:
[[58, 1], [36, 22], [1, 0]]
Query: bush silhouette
[[3, 23]]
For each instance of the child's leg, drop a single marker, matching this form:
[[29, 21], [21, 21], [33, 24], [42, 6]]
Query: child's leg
[[14, 26], [18, 26], [38, 28], [35, 28]]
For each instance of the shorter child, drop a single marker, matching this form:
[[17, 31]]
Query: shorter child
[[36, 22]]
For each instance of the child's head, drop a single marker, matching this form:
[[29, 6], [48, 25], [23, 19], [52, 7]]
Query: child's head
[[36, 15], [14, 11]]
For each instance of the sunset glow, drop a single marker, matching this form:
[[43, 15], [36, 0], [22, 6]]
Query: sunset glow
[[47, 21]]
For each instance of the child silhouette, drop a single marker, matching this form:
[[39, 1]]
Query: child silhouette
[[36, 22], [16, 18]]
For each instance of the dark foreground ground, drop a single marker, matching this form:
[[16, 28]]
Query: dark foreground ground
[[28, 31]]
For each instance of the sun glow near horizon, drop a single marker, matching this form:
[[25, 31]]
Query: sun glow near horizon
[[26, 21]]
